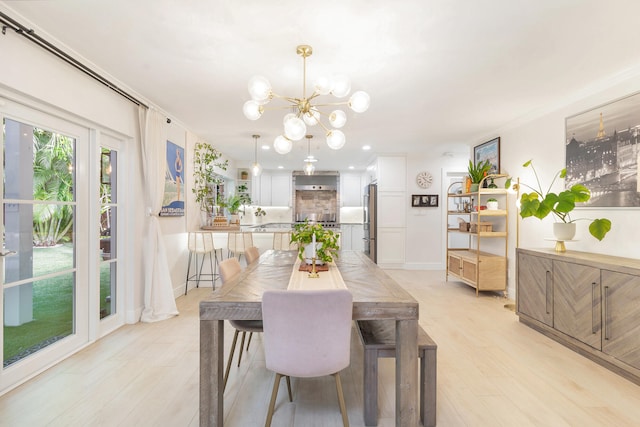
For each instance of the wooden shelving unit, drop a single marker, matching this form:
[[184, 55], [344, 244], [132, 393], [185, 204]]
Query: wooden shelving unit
[[482, 261]]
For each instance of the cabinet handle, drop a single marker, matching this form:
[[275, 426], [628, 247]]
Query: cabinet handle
[[593, 308], [606, 312], [547, 291]]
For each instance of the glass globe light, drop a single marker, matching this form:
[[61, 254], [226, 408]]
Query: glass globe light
[[359, 101], [252, 110], [323, 85], [288, 117], [312, 117], [309, 168], [294, 129], [256, 169], [282, 145], [337, 118], [259, 88], [341, 86], [336, 139]]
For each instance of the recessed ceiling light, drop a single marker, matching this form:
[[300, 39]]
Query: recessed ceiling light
[[352, 167], [280, 167], [265, 147], [366, 147]]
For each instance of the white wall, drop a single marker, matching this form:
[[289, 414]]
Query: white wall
[[543, 140]]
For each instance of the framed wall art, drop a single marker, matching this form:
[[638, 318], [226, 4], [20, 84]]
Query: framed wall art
[[489, 150], [602, 148], [424, 200]]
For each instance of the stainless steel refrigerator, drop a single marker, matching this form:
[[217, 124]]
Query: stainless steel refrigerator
[[370, 221]]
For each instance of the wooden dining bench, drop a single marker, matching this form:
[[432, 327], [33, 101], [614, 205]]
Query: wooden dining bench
[[379, 340]]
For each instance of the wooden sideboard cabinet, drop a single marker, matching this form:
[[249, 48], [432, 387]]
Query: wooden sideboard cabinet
[[588, 302]]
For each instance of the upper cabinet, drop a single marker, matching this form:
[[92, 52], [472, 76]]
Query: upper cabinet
[[272, 189], [351, 187]]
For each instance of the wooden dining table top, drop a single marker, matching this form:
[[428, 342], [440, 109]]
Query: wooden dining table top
[[375, 294]]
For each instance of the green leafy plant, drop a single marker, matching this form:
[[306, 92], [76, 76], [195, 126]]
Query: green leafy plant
[[303, 235], [539, 203], [492, 200], [205, 179], [479, 171], [233, 204]]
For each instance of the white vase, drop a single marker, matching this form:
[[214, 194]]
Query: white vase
[[564, 231], [308, 253], [492, 206], [234, 219]]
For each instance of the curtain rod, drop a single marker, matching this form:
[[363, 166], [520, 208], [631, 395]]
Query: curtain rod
[[30, 34]]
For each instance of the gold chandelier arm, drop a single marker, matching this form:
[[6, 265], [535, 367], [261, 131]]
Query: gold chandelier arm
[[328, 104], [326, 129]]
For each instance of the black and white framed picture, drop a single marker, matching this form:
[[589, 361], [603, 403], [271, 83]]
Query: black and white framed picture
[[424, 200], [601, 152]]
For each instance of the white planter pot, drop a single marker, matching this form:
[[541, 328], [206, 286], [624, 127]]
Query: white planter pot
[[308, 253], [234, 219], [492, 206], [564, 231]]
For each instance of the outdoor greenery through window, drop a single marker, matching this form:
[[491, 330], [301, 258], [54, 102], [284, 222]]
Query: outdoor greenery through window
[[38, 218]]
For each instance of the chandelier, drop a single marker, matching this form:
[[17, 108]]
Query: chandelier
[[309, 167], [306, 110], [256, 169]]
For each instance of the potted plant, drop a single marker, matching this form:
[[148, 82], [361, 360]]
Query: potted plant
[[233, 204], [326, 242], [492, 204], [259, 213], [477, 173], [205, 179], [539, 204]]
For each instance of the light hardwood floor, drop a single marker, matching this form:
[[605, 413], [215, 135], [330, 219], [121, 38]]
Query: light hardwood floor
[[492, 371]]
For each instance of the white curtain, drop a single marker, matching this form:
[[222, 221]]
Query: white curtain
[[159, 302]]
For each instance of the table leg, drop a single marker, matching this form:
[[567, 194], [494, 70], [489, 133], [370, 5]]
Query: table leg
[[406, 373], [211, 372]]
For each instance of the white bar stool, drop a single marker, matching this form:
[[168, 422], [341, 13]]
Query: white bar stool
[[201, 243]]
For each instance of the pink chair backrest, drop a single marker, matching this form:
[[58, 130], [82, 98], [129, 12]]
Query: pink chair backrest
[[252, 254], [229, 268], [307, 333]]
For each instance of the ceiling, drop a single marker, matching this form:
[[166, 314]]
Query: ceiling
[[443, 75]]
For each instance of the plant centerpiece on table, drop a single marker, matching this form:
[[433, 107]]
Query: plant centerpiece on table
[[539, 204], [205, 180], [326, 241], [477, 173]]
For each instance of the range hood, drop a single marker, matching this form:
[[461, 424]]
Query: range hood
[[323, 180]]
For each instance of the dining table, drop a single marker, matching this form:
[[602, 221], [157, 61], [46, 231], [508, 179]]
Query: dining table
[[375, 296]]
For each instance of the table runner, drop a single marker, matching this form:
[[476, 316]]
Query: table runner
[[331, 279]]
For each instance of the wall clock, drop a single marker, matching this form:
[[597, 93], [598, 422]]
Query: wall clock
[[424, 179]]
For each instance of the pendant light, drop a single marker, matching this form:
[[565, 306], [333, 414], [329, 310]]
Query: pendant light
[[256, 169], [309, 168]]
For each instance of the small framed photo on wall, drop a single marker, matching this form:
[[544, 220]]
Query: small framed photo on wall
[[415, 201]]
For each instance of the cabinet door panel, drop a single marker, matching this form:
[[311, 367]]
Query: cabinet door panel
[[577, 305], [535, 288], [621, 311]]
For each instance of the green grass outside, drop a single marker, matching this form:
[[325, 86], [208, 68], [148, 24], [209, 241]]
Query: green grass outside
[[52, 302]]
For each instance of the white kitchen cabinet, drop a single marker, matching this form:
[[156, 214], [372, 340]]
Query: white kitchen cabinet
[[351, 188], [272, 189], [281, 189]]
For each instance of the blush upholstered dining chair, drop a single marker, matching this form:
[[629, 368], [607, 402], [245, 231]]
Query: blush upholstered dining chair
[[251, 254], [229, 268], [307, 334]]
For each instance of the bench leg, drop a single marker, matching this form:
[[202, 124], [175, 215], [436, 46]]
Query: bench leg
[[370, 391], [428, 388]]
